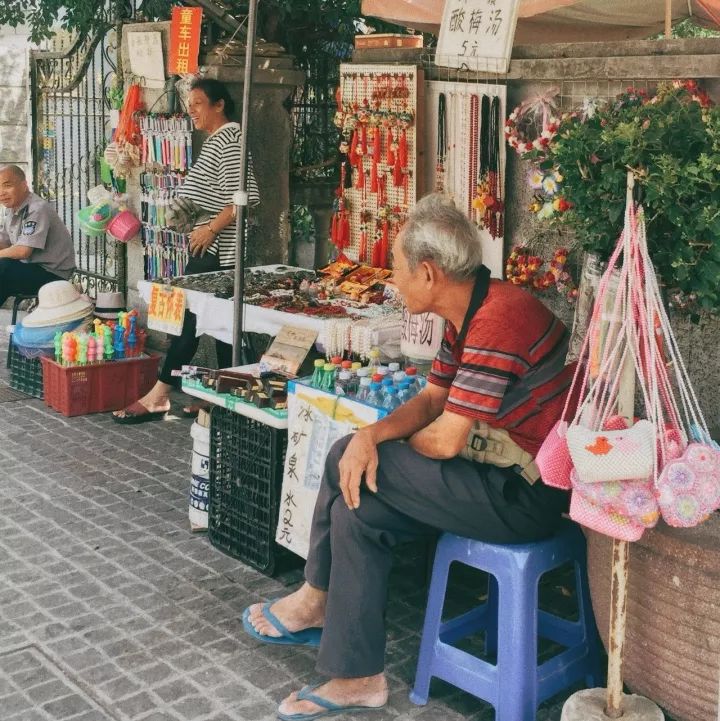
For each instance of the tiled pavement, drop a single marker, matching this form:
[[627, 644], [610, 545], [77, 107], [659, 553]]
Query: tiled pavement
[[111, 610]]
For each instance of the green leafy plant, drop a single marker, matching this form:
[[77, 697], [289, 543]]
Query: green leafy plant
[[671, 142], [302, 225]]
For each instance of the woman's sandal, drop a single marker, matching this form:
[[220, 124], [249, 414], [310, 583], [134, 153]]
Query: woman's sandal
[[138, 413]]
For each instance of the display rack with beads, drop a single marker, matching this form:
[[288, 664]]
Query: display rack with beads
[[377, 116], [464, 124], [166, 154]]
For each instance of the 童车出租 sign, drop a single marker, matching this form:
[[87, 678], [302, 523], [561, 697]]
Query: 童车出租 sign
[[477, 34], [184, 40]]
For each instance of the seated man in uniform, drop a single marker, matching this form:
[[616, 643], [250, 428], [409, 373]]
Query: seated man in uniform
[[500, 369], [35, 246]]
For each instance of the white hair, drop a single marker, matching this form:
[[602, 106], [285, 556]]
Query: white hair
[[436, 230]]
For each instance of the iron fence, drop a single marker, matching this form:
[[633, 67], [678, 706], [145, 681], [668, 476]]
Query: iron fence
[[70, 122]]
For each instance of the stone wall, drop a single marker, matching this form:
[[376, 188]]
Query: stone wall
[[14, 94]]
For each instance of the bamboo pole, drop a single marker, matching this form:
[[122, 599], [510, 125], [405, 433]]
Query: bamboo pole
[[621, 549], [668, 19]]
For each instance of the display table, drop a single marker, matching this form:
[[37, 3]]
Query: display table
[[274, 419], [215, 318]]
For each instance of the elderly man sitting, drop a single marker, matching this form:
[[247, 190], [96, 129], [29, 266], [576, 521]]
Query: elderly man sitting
[[501, 363]]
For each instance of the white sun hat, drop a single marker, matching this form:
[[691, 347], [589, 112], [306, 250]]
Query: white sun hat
[[58, 302]]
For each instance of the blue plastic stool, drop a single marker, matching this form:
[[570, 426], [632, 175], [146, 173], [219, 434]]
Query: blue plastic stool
[[512, 622]]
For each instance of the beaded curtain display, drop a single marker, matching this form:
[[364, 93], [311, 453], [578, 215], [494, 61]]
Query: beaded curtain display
[[378, 122], [464, 125], [166, 154]]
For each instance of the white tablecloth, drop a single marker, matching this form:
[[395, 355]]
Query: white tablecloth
[[215, 318]]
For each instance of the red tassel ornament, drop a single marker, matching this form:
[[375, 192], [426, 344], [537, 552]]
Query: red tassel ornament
[[390, 149], [403, 149], [352, 150]]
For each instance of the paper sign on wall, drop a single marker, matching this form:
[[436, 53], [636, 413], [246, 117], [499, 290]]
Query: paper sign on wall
[[166, 309], [146, 58], [477, 34]]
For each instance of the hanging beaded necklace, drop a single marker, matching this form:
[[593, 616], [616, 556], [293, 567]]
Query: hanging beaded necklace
[[473, 150], [441, 144], [495, 211]]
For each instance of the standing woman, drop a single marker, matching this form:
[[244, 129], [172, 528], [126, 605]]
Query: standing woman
[[210, 184]]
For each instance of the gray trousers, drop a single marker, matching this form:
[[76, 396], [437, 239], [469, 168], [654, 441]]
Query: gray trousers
[[350, 552]]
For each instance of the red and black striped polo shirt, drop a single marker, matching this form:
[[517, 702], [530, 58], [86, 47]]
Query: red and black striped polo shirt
[[511, 371]]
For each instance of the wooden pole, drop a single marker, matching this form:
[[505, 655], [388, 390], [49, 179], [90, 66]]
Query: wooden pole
[[668, 19], [621, 549]]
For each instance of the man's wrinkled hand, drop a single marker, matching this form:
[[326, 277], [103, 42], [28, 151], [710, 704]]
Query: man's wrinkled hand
[[360, 458]]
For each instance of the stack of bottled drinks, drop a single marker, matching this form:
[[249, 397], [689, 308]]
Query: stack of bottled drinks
[[382, 386]]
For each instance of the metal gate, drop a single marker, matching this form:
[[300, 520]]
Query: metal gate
[[70, 114]]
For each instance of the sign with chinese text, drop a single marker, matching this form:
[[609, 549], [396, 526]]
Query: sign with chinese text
[[316, 420], [146, 58], [477, 34], [421, 335], [184, 40], [166, 309], [289, 349]]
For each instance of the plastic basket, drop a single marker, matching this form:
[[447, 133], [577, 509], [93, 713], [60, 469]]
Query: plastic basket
[[246, 468], [77, 390], [26, 374]]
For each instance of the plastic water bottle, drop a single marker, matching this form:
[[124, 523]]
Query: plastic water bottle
[[364, 389], [412, 375], [412, 388], [391, 400], [403, 392], [374, 356], [398, 377], [393, 367], [342, 383], [387, 382], [374, 396], [328, 381], [317, 376]]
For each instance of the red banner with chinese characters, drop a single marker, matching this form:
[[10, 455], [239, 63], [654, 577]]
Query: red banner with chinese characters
[[184, 40]]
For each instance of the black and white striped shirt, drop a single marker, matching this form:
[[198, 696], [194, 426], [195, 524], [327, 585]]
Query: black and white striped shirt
[[213, 179]]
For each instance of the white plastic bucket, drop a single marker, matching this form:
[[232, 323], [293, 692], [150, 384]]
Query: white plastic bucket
[[200, 478]]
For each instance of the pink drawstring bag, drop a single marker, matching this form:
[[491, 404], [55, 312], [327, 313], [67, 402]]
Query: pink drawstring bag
[[124, 226], [634, 500], [603, 521], [689, 486], [553, 459]]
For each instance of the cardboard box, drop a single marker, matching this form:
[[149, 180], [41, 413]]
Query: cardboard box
[[388, 40]]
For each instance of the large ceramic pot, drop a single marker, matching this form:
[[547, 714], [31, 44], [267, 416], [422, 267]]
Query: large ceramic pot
[[672, 649]]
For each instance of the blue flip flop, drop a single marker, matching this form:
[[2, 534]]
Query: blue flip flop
[[307, 637], [330, 708]]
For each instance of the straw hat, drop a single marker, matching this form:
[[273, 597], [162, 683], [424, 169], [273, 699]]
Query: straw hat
[[58, 302], [108, 305]]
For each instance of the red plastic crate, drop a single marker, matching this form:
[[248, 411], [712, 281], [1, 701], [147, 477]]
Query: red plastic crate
[[77, 390]]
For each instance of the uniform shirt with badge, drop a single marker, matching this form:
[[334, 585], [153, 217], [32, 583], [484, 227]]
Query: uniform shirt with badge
[[36, 224]]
